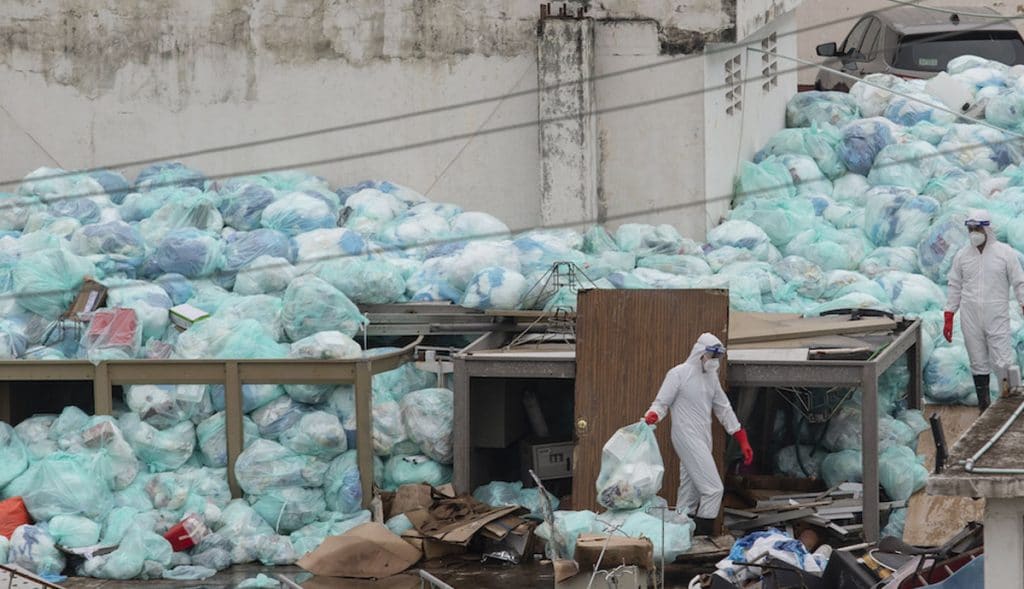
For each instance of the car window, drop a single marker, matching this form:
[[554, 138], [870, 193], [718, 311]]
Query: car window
[[872, 40], [856, 37], [932, 52]]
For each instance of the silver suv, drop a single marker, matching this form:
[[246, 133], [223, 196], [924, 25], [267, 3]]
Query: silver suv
[[916, 43]]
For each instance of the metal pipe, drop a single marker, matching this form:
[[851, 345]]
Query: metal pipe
[[969, 465]]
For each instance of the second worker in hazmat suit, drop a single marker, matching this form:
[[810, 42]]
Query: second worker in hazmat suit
[[691, 392], [980, 280]]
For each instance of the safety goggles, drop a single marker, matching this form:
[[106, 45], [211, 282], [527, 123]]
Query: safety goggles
[[715, 351], [974, 224]]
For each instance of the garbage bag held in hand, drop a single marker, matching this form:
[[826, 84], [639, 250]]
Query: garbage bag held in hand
[[631, 468]]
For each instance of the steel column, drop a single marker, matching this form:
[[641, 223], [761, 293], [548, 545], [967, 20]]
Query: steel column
[[869, 455], [233, 422], [364, 428]]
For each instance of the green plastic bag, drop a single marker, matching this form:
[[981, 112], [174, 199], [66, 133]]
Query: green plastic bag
[[13, 455], [312, 305], [46, 282], [60, 484], [74, 531], [289, 509], [410, 470], [427, 415]]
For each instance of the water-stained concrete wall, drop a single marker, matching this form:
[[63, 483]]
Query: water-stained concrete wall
[[440, 95]]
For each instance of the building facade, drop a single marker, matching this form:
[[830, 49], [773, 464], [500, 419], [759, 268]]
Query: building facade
[[632, 111]]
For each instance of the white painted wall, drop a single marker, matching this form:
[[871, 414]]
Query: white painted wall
[[97, 82], [731, 138], [651, 154], [821, 21]]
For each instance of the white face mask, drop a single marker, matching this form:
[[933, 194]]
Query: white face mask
[[711, 365], [977, 239]]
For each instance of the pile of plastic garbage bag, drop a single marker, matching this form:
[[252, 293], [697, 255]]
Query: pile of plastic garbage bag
[[860, 203], [125, 480]]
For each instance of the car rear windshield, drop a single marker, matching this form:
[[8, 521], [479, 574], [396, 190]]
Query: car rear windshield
[[933, 51]]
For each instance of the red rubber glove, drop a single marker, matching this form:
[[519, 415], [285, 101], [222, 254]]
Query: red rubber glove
[[748, 452], [651, 418], [947, 326]]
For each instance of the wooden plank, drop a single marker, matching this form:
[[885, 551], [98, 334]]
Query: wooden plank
[[364, 428], [747, 328], [233, 424], [626, 341], [772, 519], [932, 520]]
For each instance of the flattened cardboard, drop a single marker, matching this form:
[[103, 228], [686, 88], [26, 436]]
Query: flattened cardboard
[[91, 296], [368, 551], [618, 550], [430, 548], [460, 531], [565, 570], [409, 498]]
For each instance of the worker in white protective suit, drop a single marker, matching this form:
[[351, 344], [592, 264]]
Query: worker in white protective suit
[[980, 280], [692, 392]]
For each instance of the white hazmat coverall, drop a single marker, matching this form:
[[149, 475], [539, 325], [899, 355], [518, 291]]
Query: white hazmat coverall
[[979, 287], [692, 394]]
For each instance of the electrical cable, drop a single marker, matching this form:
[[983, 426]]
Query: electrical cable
[[430, 111]]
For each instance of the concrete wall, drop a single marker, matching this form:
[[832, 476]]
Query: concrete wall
[[99, 82], [821, 21], [743, 107]]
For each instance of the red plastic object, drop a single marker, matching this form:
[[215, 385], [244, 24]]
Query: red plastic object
[[186, 533], [116, 326], [13, 515]]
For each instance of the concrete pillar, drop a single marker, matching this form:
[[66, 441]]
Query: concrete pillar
[[568, 129], [1004, 543]]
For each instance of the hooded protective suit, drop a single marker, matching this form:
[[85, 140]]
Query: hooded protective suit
[[979, 287], [692, 394]]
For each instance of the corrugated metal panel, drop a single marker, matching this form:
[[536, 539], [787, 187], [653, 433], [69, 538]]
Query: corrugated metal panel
[[626, 341]]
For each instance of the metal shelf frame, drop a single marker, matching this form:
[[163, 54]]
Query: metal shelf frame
[[230, 373], [742, 376]]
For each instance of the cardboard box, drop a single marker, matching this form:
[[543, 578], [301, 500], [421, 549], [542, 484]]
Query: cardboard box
[[185, 316], [509, 538], [91, 296], [366, 551], [431, 549], [618, 550], [549, 461]]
